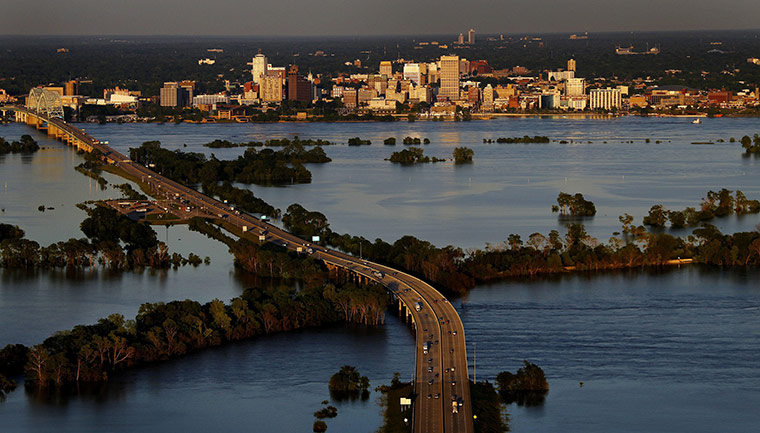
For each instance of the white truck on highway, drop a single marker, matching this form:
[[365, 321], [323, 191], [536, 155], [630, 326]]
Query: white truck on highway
[[418, 306], [425, 347], [454, 407]]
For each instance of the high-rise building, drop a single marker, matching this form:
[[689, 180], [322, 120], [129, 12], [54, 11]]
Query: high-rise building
[[270, 89], [449, 78], [575, 87], [433, 74], [259, 67], [412, 72], [471, 36], [488, 97], [364, 95], [172, 95], [299, 88], [571, 65], [386, 68], [349, 97], [473, 95], [71, 88], [460, 39], [604, 98]]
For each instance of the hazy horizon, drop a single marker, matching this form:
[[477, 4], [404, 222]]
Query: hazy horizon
[[338, 18]]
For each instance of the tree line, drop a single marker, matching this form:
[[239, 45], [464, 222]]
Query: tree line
[[524, 139], [25, 145], [456, 270], [283, 142], [163, 331], [262, 167], [413, 155], [112, 240], [714, 205]]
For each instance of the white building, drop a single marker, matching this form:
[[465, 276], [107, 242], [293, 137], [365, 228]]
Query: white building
[[560, 75], [210, 99], [488, 97], [259, 69], [412, 72], [605, 99], [575, 87]]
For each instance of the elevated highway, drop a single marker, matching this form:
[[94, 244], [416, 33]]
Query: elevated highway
[[441, 374]]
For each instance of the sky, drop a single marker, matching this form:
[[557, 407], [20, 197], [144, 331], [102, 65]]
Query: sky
[[361, 17]]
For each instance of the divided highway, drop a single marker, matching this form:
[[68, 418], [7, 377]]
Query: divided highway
[[442, 388]]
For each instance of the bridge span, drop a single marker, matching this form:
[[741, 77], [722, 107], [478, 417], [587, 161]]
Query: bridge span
[[441, 369]]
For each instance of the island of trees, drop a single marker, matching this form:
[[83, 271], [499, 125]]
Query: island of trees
[[413, 155], [25, 145], [714, 204], [415, 140], [164, 331], [525, 139], [356, 141], [527, 387], [463, 155], [349, 383], [112, 240], [751, 145], [283, 142], [452, 269], [574, 205]]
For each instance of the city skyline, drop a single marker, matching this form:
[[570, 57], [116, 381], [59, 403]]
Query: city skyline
[[239, 18]]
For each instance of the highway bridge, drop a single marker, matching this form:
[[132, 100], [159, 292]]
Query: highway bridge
[[441, 371]]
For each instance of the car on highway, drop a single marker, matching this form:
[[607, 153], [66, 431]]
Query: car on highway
[[453, 383], [430, 382], [430, 369]]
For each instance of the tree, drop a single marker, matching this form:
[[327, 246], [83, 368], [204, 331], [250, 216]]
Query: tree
[[463, 155], [657, 217]]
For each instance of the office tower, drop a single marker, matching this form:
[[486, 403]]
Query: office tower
[[270, 89], [171, 95], [259, 68], [571, 65], [460, 39], [604, 98], [350, 97], [299, 88], [471, 36], [449, 77], [488, 97], [386, 68], [575, 87], [412, 72]]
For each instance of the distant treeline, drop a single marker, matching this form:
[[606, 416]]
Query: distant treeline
[[283, 142], [25, 145], [106, 230], [524, 139], [163, 331]]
